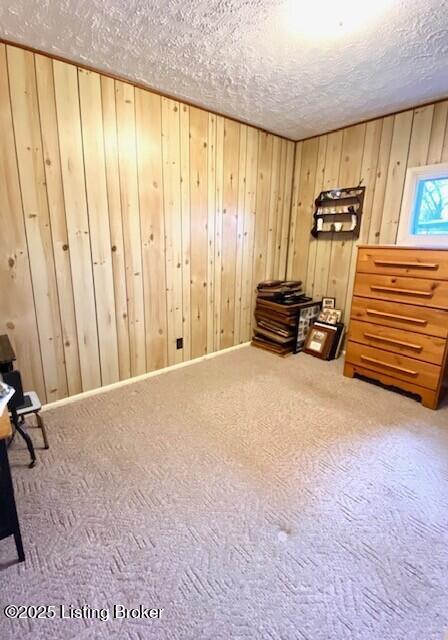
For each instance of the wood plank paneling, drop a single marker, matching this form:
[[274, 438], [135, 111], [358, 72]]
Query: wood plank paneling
[[17, 311], [368, 176], [275, 202], [56, 206], [156, 220], [265, 158], [173, 225], [229, 231], [302, 212], [127, 160], [97, 203], [381, 180], [445, 146], [26, 122], [247, 280], [211, 231], [280, 266], [150, 187], [294, 206], [116, 224], [318, 186], [323, 249], [240, 234], [438, 129], [219, 178], [341, 250], [420, 136], [138, 220], [70, 143], [395, 177], [379, 153], [199, 127], [184, 123]]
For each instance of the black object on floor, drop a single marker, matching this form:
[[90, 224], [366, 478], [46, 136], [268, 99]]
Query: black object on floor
[[7, 355]]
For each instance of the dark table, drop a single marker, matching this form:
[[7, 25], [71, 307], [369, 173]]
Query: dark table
[[9, 521]]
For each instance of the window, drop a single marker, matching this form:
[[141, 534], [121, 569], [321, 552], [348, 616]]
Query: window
[[431, 207], [424, 211]]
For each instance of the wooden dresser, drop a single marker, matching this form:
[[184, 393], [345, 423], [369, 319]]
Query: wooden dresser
[[399, 319]]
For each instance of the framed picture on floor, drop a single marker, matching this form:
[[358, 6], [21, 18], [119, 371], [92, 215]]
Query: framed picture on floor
[[319, 341], [329, 315], [328, 303], [308, 313]]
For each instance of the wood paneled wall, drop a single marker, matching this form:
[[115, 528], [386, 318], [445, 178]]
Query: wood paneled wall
[[378, 152], [128, 220]]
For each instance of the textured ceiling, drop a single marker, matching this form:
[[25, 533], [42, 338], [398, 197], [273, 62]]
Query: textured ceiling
[[295, 68]]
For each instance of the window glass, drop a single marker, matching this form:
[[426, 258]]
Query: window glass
[[431, 207]]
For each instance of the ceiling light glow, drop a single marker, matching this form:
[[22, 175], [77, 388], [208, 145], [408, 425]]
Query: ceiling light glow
[[321, 19]]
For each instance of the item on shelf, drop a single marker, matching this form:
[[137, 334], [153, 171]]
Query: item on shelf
[[337, 194], [338, 211]]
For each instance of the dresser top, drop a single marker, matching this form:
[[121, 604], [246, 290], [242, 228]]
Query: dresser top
[[402, 246]]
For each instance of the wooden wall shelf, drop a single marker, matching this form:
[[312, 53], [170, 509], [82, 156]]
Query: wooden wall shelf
[[338, 211]]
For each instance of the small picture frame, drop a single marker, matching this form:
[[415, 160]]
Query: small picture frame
[[328, 303], [330, 316], [319, 341]]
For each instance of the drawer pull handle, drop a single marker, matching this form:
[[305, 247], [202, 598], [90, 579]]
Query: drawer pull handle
[[396, 316], [408, 292], [408, 372], [401, 343], [411, 265]]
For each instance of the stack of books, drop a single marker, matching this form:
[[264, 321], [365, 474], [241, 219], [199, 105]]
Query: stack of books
[[276, 315]]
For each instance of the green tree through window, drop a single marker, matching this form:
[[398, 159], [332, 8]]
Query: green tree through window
[[431, 207]]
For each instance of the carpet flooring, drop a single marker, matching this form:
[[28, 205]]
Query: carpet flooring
[[249, 497]]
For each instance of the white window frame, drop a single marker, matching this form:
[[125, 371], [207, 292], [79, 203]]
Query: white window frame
[[413, 177]]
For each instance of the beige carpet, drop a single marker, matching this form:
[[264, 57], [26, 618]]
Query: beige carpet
[[250, 497]]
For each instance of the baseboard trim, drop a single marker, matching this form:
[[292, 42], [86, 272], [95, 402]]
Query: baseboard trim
[[143, 376]]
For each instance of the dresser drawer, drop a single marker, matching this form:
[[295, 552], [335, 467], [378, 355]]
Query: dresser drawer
[[419, 263], [394, 365], [404, 316], [422, 292], [415, 345]]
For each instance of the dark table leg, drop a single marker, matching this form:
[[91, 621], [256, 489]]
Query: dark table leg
[[29, 444], [20, 428]]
